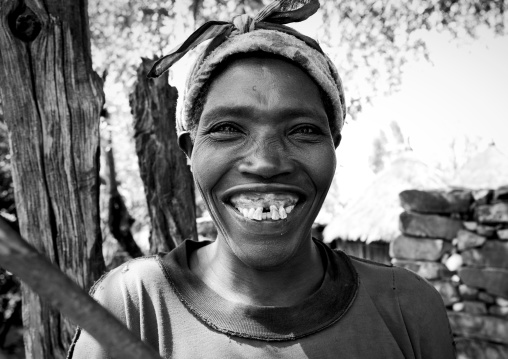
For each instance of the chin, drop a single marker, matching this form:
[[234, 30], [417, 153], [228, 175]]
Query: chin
[[268, 255], [266, 245]]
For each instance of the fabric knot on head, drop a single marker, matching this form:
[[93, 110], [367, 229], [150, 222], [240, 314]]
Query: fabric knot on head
[[244, 23], [265, 32], [272, 17]]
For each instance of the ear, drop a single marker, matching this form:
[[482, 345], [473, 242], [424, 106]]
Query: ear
[[185, 143], [337, 140]]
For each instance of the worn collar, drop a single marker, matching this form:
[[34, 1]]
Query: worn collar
[[319, 311]]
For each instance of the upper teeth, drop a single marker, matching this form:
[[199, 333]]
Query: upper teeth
[[276, 205], [258, 214]]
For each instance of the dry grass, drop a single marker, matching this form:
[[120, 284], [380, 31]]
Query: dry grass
[[488, 169], [375, 215]]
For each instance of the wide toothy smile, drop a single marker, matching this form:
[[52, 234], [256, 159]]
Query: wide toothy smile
[[264, 206]]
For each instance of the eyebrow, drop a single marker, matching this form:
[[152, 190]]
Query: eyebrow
[[246, 112]]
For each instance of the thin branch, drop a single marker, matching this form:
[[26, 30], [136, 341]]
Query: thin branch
[[196, 5], [20, 258]]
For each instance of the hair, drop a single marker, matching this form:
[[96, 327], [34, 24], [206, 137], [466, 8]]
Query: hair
[[198, 105]]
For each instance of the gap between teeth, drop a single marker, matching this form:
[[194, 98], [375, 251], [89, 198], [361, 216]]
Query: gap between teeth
[[274, 214]]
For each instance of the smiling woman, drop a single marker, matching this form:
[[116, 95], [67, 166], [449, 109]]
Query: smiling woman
[[263, 144], [263, 113]]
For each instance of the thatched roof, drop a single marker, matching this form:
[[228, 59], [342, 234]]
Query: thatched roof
[[488, 169], [375, 215]]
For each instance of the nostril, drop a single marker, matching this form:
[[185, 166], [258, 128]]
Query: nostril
[[266, 167], [266, 159]]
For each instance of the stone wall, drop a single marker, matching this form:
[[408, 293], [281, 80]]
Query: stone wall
[[458, 240]]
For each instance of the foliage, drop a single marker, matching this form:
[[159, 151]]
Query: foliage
[[7, 207], [10, 309], [371, 40], [10, 295], [204, 10], [125, 30], [388, 145]]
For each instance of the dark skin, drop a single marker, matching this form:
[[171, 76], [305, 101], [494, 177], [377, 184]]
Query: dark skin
[[263, 129]]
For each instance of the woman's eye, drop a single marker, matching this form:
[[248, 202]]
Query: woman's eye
[[225, 132], [225, 128], [307, 130]]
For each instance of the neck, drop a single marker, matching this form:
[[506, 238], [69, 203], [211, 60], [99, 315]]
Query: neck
[[285, 285]]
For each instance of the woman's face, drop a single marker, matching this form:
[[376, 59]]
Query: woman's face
[[263, 158]]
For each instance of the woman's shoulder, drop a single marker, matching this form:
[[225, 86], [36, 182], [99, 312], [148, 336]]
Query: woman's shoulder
[[126, 291], [409, 305], [380, 276], [143, 273], [396, 289]]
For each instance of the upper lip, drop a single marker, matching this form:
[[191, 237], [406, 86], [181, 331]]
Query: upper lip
[[263, 188]]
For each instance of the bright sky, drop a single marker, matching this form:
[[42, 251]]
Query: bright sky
[[461, 93]]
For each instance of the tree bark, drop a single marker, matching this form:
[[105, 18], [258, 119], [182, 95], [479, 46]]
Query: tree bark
[[167, 179], [51, 104]]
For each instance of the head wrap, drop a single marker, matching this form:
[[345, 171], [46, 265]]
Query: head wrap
[[266, 33]]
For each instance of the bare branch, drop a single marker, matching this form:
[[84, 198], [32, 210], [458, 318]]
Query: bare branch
[[20, 258]]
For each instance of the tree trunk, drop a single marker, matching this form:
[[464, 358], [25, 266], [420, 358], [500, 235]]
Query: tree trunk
[[51, 103], [167, 179], [119, 219]]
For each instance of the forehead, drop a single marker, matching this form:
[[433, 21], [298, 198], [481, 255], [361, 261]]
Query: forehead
[[264, 85]]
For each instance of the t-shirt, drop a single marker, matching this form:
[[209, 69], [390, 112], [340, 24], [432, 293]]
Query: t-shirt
[[361, 309]]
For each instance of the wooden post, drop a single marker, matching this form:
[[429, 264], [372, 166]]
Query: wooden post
[[167, 179], [51, 103]]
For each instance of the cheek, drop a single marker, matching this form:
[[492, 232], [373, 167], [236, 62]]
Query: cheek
[[321, 164], [208, 166]]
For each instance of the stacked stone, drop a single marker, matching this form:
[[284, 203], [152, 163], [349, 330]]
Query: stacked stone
[[458, 240]]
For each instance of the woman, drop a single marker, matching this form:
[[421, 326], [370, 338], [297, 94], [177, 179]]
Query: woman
[[263, 112]]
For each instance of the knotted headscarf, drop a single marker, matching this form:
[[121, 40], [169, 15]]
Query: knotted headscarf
[[265, 32]]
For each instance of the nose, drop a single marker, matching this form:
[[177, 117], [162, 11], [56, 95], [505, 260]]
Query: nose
[[267, 158]]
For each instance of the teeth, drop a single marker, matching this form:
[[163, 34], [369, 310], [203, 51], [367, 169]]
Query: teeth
[[275, 213], [260, 199], [257, 213], [250, 214]]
